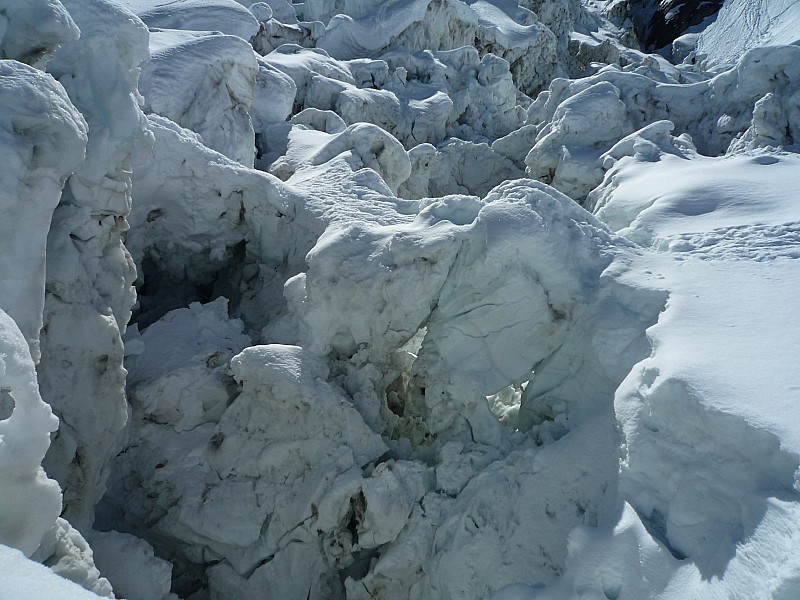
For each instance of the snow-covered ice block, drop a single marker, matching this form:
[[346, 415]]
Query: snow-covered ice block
[[225, 16], [196, 212], [481, 89], [249, 489], [302, 65], [456, 167], [375, 27], [69, 555], [178, 375], [274, 33], [131, 566], [514, 33], [30, 501], [32, 31], [43, 137], [367, 146], [488, 290], [566, 152], [204, 82], [273, 96]]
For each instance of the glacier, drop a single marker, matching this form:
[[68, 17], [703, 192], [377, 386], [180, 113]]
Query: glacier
[[402, 300]]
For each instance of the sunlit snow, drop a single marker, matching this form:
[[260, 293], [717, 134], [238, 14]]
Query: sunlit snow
[[403, 300]]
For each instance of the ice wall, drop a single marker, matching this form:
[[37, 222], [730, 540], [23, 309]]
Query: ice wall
[[89, 271], [44, 138]]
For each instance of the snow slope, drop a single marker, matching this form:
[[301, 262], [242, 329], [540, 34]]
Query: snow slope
[[709, 420], [744, 24], [23, 578]]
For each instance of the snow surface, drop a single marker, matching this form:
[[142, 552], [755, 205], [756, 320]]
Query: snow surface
[[348, 299], [744, 24], [225, 16], [24, 578]]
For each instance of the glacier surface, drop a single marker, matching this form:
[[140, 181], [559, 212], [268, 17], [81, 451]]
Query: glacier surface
[[405, 300]]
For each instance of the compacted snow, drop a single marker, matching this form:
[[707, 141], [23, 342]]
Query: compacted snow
[[407, 300]]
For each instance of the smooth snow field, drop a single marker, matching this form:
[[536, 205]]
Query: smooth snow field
[[399, 300]]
